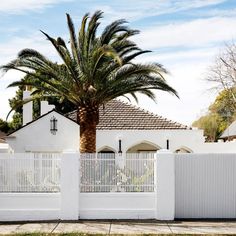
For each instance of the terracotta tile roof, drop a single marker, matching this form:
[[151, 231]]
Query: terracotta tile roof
[[118, 115]]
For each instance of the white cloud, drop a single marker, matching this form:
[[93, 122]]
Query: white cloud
[[135, 10], [195, 55], [187, 71], [6, 93], [194, 98], [8, 51], [188, 34], [19, 6], [214, 12]]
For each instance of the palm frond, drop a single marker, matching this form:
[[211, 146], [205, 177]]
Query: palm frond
[[112, 29], [73, 39]]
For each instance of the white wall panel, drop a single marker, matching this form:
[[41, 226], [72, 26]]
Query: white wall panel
[[205, 186]]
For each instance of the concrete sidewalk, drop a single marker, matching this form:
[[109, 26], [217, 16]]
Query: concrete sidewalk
[[123, 227]]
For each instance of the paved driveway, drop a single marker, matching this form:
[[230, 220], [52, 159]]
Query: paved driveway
[[123, 227]]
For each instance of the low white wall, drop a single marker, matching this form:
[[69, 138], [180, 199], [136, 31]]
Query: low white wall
[[117, 206], [205, 186], [29, 206]]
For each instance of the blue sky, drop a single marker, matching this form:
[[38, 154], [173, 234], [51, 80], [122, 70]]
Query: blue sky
[[184, 36]]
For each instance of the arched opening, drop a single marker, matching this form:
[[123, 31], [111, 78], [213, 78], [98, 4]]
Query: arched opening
[[144, 147], [106, 149], [106, 152], [183, 150]]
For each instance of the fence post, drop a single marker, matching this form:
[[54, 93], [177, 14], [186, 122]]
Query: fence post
[[165, 186], [70, 186]]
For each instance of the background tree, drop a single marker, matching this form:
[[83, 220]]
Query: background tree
[[220, 115], [94, 71], [210, 124], [17, 118], [223, 71], [4, 126]]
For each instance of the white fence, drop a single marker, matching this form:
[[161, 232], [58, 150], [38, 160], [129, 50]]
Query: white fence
[[30, 172], [164, 186], [105, 172]]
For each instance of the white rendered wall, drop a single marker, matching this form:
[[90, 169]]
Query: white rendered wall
[[29, 206], [117, 206], [37, 137], [69, 186], [205, 186], [192, 139], [165, 185]]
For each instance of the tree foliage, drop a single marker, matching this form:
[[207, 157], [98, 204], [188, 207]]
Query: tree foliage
[[4, 126], [63, 107], [220, 114]]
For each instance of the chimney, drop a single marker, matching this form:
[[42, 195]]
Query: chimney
[[27, 108], [45, 107]]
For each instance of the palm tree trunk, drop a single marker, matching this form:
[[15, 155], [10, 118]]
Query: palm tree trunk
[[88, 120]]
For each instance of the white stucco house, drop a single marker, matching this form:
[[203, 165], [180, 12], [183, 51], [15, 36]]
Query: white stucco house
[[122, 128]]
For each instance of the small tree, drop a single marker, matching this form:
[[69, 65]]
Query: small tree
[[210, 124]]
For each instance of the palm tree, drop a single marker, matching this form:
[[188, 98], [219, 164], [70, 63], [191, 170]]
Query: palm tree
[[93, 71]]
